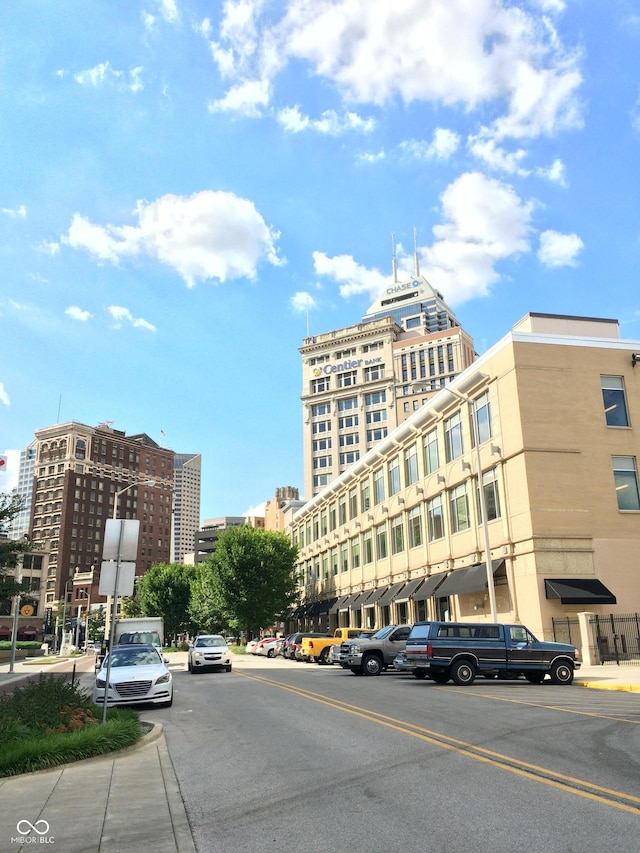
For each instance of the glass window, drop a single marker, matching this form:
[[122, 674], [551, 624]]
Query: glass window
[[381, 541], [349, 458], [323, 524], [342, 512], [325, 566], [459, 508], [491, 497], [365, 497], [453, 437], [344, 558], [332, 517], [347, 403], [346, 379], [353, 503], [431, 459], [378, 486], [435, 518], [615, 403], [367, 547], [625, 475], [482, 409], [376, 416], [320, 409], [355, 553], [414, 524], [411, 465], [397, 535], [376, 434], [334, 561], [321, 384], [394, 476], [373, 373], [375, 398]]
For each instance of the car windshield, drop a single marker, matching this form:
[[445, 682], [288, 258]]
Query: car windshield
[[383, 632], [135, 657], [210, 641]]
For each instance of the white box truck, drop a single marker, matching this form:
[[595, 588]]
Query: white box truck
[[143, 629]]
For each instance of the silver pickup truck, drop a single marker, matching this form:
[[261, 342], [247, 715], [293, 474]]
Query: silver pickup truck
[[371, 656], [461, 650]]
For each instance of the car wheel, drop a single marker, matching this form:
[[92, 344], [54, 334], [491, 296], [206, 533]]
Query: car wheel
[[561, 673], [324, 657], [271, 653], [463, 673], [440, 677], [168, 704], [534, 677], [356, 670], [227, 668], [371, 665], [419, 673]]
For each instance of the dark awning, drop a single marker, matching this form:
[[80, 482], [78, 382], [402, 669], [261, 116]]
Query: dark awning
[[391, 593], [473, 579], [571, 591], [337, 605], [346, 604], [409, 590], [318, 608], [375, 596], [299, 610], [429, 586]]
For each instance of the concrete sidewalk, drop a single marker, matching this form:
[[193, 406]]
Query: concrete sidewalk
[[130, 801]]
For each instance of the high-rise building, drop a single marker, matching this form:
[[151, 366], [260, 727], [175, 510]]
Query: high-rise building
[[274, 508], [207, 537], [360, 382], [186, 503], [79, 471], [20, 524]]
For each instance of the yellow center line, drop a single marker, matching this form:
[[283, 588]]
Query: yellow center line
[[570, 784]]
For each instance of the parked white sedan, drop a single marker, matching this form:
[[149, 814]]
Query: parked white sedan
[[138, 675], [267, 647]]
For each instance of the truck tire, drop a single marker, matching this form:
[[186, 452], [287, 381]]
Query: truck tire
[[440, 677], [324, 654], [356, 670], [419, 673], [371, 665], [561, 672], [463, 672]]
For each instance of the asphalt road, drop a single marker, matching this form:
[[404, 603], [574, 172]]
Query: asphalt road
[[295, 758]]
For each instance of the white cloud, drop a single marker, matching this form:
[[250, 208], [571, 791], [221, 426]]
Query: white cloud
[[169, 10], [303, 301], [465, 52], [4, 397], [103, 74], [257, 511], [484, 222], [248, 98], [329, 123], [559, 250], [120, 314], [443, 144], [556, 173], [49, 247], [209, 235], [495, 157], [369, 157], [77, 313], [19, 212]]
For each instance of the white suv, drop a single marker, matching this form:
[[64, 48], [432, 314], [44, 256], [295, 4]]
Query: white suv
[[209, 651]]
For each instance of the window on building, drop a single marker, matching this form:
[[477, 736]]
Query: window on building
[[411, 473], [625, 475], [435, 518], [414, 527], [459, 508], [320, 409], [320, 480], [367, 547], [322, 462], [482, 412], [453, 437], [325, 566], [614, 399], [375, 398], [349, 439], [381, 541], [376, 371], [349, 422], [320, 427], [394, 476], [397, 535], [334, 562], [355, 553], [344, 558], [347, 403], [378, 486], [321, 444], [323, 524], [374, 435], [377, 416], [491, 496], [353, 503], [332, 517], [346, 379], [431, 458], [342, 512], [350, 457], [321, 384], [365, 497]]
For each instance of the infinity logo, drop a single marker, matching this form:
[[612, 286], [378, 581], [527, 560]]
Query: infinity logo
[[24, 827]]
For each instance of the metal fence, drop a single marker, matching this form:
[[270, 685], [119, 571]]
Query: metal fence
[[567, 630], [617, 638]]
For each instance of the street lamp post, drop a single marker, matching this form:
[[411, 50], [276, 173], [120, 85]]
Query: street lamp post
[[64, 609], [475, 426]]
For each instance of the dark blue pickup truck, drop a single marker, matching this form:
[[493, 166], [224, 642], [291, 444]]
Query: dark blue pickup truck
[[461, 650]]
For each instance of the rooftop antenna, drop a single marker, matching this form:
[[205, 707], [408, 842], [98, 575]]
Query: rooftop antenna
[[394, 266], [415, 252]]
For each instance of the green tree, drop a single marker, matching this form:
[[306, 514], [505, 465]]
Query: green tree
[[11, 550], [204, 609], [96, 620], [165, 590], [253, 576]]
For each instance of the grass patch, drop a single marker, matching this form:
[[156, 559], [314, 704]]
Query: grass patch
[[50, 722]]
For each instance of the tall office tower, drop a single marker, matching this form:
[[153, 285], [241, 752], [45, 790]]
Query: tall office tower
[[274, 508], [79, 472], [360, 382], [20, 524], [186, 503]]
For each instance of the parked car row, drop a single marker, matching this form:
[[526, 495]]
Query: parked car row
[[440, 651]]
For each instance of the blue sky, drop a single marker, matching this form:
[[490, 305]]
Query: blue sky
[[186, 187]]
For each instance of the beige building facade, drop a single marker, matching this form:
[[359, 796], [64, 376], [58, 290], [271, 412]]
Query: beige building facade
[[359, 383], [400, 535]]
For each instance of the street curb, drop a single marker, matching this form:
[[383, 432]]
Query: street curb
[[597, 685]]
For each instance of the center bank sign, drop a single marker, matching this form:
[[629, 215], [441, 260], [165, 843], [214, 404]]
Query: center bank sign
[[349, 364]]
